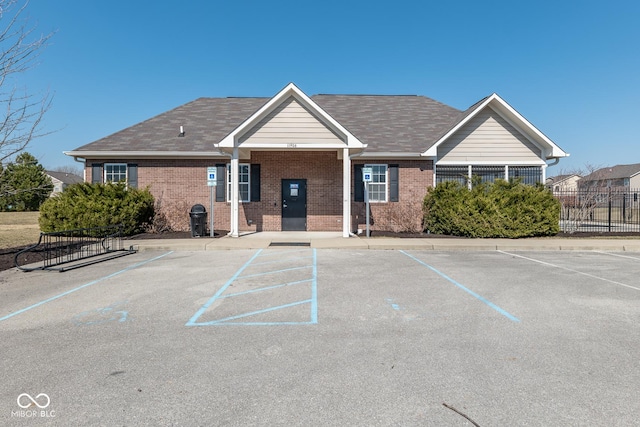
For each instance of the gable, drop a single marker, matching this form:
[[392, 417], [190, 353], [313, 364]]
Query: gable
[[290, 123], [488, 137]]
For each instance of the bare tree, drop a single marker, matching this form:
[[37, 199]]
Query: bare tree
[[73, 170], [585, 204], [20, 47]]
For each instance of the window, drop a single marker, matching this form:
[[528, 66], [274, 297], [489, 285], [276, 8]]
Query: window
[[529, 175], [115, 172], [243, 182], [378, 185], [488, 173], [452, 173]]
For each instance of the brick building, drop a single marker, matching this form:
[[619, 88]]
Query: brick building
[[294, 162]]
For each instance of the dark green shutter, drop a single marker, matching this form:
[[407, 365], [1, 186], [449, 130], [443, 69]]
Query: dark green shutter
[[221, 174], [393, 183], [96, 173], [132, 175], [358, 185], [254, 176]]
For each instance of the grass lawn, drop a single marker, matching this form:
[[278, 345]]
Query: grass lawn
[[18, 229]]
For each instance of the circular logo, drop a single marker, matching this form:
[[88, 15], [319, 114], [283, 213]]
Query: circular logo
[[26, 401]]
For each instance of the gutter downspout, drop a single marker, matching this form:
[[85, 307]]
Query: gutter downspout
[[84, 167], [544, 169]]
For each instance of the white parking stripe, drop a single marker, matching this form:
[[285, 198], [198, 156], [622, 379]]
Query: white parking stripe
[[619, 256], [569, 269]]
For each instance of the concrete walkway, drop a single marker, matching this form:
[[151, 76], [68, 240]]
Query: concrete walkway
[[329, 240]]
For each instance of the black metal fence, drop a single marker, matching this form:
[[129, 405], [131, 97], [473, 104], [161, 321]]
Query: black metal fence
[[64, 250], [600, 210]]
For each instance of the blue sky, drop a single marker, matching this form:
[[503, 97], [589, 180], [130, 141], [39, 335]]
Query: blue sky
[[572, 68]]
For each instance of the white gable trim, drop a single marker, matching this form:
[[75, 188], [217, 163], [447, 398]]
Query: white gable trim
[[549, 149], [291, 90]]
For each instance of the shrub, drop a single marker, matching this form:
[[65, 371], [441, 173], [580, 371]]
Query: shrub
[[502, 209], [96, 205]]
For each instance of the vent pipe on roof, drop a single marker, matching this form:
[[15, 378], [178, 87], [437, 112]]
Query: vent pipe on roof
[[181, 131]]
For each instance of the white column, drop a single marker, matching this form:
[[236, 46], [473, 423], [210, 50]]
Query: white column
[[235, 190], [346, 193], [544, 174]]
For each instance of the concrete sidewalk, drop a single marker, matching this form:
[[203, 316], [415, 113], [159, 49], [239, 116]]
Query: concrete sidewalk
[[327, 240]]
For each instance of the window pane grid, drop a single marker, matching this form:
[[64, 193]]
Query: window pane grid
[[378, 184], [115, 172], [243, 182]]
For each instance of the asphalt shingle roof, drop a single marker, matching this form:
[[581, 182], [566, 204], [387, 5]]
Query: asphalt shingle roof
[[387, 123], [67, 178], [614, 172]]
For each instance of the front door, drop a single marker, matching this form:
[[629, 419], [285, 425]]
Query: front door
[[294, 205]]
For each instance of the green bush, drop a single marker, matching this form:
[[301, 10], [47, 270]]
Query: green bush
[[97, 205], [502, 209]]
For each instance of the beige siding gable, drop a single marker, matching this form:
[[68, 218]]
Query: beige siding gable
[[488, 137], [291, 123]]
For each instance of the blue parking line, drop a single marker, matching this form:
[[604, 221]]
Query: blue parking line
[[226, 320], [313, 301], [192, 321], [86, 285], [266, 288], [273, 272], [469, 291]]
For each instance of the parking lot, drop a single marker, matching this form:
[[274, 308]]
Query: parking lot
[[305, 336]]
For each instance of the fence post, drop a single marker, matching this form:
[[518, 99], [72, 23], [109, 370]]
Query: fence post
[[609, 211]]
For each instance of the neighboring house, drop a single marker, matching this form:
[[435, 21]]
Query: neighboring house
[[297, 160], [62, 180], [621, 177], [562, 183]]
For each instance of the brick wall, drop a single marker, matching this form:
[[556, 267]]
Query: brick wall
[[405, 215], [323, 172], [179, 184]]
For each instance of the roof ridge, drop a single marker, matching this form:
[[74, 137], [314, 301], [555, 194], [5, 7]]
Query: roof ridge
[[368, 94]]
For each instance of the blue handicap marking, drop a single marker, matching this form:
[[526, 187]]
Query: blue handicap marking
[[113, 313], [393, 305], [291, 269]]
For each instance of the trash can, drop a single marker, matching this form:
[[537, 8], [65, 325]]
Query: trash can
[[198, 217]]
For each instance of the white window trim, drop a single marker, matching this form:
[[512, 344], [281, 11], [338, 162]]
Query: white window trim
[[126, 172], [228, 183], [386, 182]]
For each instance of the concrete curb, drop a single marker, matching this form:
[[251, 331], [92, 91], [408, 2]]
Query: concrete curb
[[380, 243]]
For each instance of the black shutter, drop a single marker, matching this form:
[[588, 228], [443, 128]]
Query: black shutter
[[393, 183], [132, 175], [221, 174], [96, 173], [255, 182], [358, 185]]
